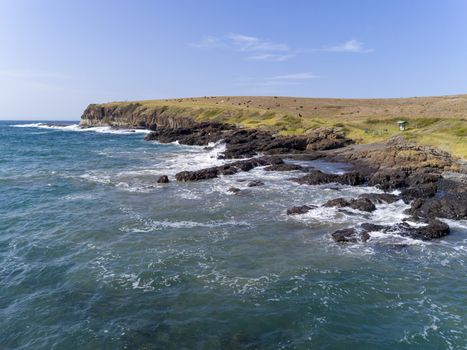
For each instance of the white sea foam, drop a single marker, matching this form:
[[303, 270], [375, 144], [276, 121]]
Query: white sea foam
[[149, 225], [76, 127], [238, 284], [193, 158]]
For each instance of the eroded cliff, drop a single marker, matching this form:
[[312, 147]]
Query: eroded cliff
[[136, 115]]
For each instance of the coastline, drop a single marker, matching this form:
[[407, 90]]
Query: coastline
[[416, 172]]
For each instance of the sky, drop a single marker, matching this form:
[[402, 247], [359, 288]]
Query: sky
[[58, 56]]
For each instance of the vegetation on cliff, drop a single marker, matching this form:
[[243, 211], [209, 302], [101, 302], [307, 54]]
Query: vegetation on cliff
[[436, 121]]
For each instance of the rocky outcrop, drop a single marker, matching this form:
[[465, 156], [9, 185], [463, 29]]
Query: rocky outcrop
[[362, 204], [240, 143], [327, 138], [379, 198], [300, 210], [284, 167], [397, 153], [317, 177], [173, 123], [163, 179], [200, 134], [250, 142], [226, 169], [434, 230], [136, 115], [351, 235], [234, 190], [449, 206], [255, 183]]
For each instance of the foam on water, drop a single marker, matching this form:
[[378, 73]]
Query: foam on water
[[192, 158], [143, 179], [77, 128]]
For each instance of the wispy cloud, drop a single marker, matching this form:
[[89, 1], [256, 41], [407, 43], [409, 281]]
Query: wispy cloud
[[351, 45], [251, 43], [278, 80], [294, 77], [257, 49], [271, 57]]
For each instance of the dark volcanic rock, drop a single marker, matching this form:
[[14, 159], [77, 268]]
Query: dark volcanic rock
[[316, 177], [378, 198], [388, 179], [367, 226], [337, 202], [255, 183], [199, 134], [363, 204], [198, 175], [450, 206], [397, 154], [299, 210], [164, 179], [284, 167], [434, 230], [421, 183], [249, 142], [421, 191], [350, 235], [226, 169], [234, 190], [326, 138], [242, 143]]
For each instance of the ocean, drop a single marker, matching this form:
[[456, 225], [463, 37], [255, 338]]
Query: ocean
[[95, 254]]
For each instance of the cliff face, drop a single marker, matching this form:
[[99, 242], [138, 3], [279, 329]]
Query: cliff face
[[136, 115]]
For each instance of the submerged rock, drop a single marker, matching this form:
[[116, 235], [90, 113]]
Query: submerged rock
[[234, 190], [255, 183], [164, 179], [435, 229], [350, 235], [284, 167], [198, 175], [362, 204], [300, 210], [337, 202], [379, 198]]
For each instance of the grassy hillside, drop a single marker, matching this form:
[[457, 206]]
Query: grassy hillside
[[436, 121]]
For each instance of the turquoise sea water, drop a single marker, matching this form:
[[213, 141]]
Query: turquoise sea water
[[94, 254]]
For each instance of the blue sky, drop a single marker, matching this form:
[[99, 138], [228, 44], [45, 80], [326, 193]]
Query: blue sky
[[57, 56]]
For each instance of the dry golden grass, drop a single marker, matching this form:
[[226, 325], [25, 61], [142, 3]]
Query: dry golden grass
[[436, 121]]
